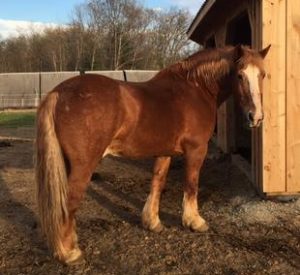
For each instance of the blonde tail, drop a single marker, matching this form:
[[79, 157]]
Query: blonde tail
[[51, 177]]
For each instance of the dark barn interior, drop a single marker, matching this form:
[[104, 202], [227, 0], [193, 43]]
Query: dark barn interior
[[239, 32]]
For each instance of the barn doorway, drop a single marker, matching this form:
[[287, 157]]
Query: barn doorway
[[239, 32]]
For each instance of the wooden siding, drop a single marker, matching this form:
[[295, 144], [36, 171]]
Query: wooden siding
[[274, 97], [293, 96]]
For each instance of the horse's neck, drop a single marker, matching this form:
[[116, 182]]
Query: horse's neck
[[216, 79]]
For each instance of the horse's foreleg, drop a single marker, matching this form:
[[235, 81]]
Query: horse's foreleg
[[191, 217], [150, 217]]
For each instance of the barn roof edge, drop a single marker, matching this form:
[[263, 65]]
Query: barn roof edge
[[206, 6]]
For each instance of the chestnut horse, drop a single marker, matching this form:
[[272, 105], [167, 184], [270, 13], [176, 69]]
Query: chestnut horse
[[90, 116]]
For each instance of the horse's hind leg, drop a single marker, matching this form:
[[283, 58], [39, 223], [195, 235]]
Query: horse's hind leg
[[150, 217], [191, 217], [79, 177]]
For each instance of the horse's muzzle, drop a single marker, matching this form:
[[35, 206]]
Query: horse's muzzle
[[254, 123]]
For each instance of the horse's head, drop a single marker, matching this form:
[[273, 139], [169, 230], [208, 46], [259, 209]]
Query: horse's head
[[249, 77]]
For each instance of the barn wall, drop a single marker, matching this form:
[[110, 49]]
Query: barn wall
[[293, 96], [274, 97]]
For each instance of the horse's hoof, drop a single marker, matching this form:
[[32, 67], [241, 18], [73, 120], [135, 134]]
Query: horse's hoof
[[201, 228], [73, 257], [197, 225], [158, 228]]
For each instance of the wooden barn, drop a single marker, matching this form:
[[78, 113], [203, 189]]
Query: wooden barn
[[271, 154]]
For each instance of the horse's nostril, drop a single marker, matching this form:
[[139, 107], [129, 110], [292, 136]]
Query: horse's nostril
[[250, 117]]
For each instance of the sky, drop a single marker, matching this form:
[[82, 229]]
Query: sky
[[20, 15]]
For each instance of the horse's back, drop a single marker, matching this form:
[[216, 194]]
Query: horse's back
[[87, 85]]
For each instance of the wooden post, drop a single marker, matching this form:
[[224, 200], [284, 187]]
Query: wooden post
[[222, 118], [40, 82], [255, 15]]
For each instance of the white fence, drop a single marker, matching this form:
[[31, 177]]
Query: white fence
[[23, 90]]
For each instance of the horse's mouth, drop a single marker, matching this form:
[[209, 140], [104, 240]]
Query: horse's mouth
[[256, 124]]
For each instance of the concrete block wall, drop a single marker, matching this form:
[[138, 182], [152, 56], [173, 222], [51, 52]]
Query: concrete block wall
[[21, 90]]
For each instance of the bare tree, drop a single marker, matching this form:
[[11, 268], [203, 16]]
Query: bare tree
[[102, 35], [76, 37]]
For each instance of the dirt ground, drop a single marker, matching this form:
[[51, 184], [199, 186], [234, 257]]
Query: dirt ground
[[247, 235]]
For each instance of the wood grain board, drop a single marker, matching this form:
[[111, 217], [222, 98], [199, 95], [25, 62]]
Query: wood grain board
[[274, 97], [293, 96]]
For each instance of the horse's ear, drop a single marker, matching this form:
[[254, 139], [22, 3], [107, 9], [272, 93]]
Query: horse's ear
[[238, 52], [265, 51]]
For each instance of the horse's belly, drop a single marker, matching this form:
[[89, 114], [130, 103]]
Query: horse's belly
[[113, 151], [138, 149]]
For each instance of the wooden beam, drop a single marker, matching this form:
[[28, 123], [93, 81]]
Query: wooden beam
[[255, 12], [220, 38]]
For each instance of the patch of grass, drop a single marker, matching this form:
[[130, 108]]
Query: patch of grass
[[17, 119]]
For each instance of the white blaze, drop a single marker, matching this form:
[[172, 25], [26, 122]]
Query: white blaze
[[252, 73]]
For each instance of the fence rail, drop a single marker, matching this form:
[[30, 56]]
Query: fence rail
[[24, 90]]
